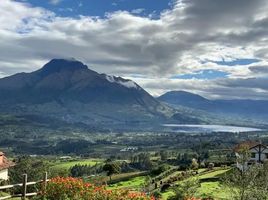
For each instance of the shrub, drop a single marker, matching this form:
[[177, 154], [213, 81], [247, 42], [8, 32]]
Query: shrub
[[76, 189]]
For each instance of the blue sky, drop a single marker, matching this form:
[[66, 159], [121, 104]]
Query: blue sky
[[202, 74], [214, 48], [73, 8]]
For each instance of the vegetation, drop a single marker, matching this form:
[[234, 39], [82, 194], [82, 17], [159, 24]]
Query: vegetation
[[159, 163], [186, 189], [111, 168], [76, 189], [69, 164]]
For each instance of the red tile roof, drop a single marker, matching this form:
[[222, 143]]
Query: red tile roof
[[6, 163]]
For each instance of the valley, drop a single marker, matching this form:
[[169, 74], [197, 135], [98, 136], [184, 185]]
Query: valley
[[70, 121]]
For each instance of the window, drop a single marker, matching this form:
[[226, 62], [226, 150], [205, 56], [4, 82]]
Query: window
[[253, 155], [266, 155]]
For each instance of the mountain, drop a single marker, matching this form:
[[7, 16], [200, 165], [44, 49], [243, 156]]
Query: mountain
[[256, 110], [64, 80], [67, 90], [183, 98]]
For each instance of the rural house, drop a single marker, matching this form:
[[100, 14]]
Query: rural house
[[5, 164], [257, 153]]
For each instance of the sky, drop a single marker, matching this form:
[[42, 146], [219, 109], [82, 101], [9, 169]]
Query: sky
[[215, 48]]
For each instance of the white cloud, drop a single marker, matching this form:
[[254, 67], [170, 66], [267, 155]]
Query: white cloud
[[55, 2], [189, 37], [137, 11]]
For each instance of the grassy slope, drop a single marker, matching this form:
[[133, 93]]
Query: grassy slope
[[69, 164], [134, 183], [208, 188], [214, 189]]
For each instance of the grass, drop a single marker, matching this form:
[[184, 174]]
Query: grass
[[68, 164], [213, 189], [214, 174], [167, 194], [124, 176], [3, 194], [208, 188], [134, 183]]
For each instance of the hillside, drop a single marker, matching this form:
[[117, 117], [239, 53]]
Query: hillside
[[67, 90], [255, 110]]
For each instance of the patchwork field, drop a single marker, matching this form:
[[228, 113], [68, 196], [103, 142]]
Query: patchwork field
[[69, 164]]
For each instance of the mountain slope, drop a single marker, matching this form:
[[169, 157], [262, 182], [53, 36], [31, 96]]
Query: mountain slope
[[250, 109], [183, 98], [67, 90]]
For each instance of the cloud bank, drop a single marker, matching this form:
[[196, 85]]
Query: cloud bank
[[194, 36]]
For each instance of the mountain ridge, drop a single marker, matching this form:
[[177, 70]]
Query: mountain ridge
[[244, 108], [68, 90]]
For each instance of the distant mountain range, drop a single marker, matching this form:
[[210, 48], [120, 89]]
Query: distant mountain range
[[256, 110], [67, 90]]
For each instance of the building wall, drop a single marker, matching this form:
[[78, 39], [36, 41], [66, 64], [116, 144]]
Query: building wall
[[4, 174], [264, 154]]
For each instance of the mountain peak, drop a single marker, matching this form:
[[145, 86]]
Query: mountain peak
[[175, 97], [57, 65]]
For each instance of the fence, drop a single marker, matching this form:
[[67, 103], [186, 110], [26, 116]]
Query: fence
[[24, 185]]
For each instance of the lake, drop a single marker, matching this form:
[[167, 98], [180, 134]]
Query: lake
[[208, 128]]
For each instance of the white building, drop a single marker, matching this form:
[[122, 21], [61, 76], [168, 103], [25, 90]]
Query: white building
[[258, 153], [5, 164]]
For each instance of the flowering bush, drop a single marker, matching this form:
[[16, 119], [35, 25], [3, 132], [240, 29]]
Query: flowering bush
[[76, 189]]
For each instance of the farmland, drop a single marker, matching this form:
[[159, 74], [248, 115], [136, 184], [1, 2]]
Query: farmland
[[68, 164]]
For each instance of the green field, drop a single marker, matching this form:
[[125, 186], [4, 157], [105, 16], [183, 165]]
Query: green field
[[68, 164], [208, 188], [214, 189], [133, 184], [214, 174]]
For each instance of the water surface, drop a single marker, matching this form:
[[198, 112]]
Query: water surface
[[208, 128]]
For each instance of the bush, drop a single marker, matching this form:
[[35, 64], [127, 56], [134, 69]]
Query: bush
[[160, 169], [76, 189]]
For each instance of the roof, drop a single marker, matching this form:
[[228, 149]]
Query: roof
[[248, 144], [6, 164]]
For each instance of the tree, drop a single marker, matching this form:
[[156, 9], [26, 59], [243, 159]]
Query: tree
[[247, 183], [243, 184], [80, 170], [163, 155], [34, 168], [184, 161], [186, 189], [111, 168]]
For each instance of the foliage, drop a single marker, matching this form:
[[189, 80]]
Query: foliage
[[34, 168], [111, 168], [141, 161], [160, 169], [54, 172], [163, 155], [76, 189], [248, 184], [186, 189], [80, 170], [184, 161]]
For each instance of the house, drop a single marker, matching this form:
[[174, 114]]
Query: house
[[256, 153], [5, 164]]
